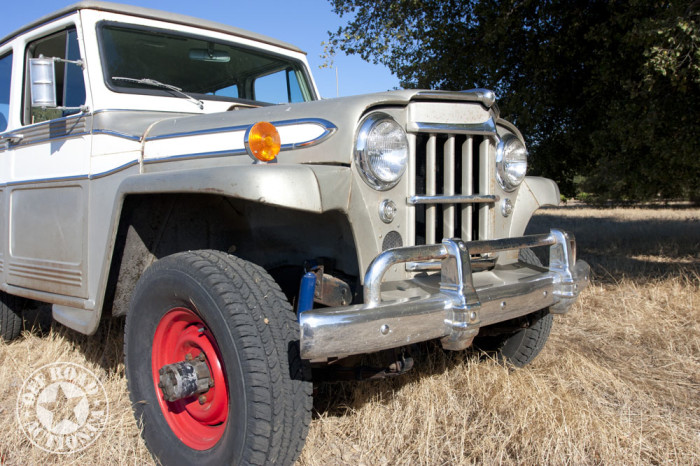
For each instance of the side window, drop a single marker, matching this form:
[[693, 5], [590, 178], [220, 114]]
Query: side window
[[280, 87], [70, 86], [74, 89], [229, 91], [5, 77], [295, 94]]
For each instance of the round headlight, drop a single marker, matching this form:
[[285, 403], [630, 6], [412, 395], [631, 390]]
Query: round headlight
[[511, 162], [381, 151]]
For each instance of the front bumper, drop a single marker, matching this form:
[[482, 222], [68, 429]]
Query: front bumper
[[452, 309]]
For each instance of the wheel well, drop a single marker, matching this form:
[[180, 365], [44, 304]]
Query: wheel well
[[278, 239]]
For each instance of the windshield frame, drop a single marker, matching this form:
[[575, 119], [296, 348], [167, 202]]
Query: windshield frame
[[153, 91]]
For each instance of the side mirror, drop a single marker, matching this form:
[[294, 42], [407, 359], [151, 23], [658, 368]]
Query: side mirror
[[42, 74]]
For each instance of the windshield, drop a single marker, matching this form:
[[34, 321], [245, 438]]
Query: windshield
[[198, 66]]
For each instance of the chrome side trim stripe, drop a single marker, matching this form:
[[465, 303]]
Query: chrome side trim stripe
[[47, 180], [117, 134], [225, 129], [69, 127], [32, 142], [329, 128], [114, 170], [226, 153], [74, 178], [46, 127]]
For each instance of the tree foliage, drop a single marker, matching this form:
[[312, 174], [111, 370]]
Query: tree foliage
[[607, 92]]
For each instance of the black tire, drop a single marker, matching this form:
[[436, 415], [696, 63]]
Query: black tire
[[520, 346], [246, 315], [529, 257], [11, 321]]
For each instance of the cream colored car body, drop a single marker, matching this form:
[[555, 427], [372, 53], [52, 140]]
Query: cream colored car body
[[75, 229]]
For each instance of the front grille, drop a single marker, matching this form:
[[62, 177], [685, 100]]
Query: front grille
[[449, 165]]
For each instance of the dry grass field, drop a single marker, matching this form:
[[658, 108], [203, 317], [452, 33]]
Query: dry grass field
[[618, 382]]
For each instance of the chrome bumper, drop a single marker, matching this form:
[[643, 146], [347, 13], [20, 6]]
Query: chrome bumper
[[457, 308]]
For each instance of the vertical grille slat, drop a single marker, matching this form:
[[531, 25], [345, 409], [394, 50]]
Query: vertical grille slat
[[412, 183], [484, 187], [451, 164], [467, 186], [430, 188], [448, 210]]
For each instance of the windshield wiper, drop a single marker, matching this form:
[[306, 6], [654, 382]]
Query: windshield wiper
[[154, 83]]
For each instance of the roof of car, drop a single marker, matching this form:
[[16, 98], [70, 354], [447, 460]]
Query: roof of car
[[151, 14]]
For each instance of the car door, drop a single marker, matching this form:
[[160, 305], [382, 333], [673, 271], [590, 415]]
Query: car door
[[48, 178], [6, 57]]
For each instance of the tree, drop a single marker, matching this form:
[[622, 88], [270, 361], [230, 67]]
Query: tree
[[604, 91]]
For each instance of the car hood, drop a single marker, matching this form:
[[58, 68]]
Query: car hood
[[308, 130]]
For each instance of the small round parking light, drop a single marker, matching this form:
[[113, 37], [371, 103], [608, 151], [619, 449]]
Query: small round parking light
[[262, 141], [387, 210]]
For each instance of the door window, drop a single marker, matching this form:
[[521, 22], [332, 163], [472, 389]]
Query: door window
[[280, 87], [5, 78], [70, 86]]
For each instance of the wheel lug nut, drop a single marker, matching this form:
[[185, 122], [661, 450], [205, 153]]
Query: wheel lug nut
[[201, 356], [202, 399], [188, 357], [161, 371]]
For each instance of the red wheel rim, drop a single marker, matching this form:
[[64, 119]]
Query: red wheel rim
[[181, 332]]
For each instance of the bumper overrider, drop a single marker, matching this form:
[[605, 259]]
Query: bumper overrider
[[457, 308]]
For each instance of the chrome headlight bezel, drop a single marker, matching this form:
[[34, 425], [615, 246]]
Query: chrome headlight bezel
[[384, 171], [511, 162]]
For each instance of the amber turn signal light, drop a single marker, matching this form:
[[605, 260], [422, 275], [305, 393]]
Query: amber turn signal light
[[263, 141]]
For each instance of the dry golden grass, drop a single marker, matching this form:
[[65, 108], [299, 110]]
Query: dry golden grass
[[618, 382]]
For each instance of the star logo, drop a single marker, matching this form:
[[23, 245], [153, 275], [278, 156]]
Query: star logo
[[62, 408]]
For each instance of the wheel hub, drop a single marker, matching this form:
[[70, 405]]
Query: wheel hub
[[185, 378], [189, 378]]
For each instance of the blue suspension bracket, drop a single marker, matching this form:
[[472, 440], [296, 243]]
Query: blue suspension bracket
[[307, 288]]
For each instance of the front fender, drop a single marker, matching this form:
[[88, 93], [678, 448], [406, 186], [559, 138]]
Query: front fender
[[535, 192], [301, 187]]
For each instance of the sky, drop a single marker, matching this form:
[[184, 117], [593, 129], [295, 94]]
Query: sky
[[303, 23]]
